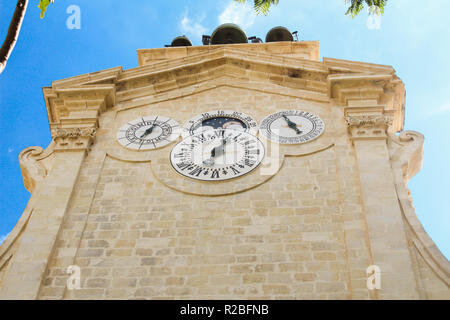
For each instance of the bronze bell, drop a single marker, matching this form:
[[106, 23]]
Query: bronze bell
[[228, 33], [279, 34], [181, 41]]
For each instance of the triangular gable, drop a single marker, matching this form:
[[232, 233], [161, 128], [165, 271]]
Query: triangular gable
[[313, 79]]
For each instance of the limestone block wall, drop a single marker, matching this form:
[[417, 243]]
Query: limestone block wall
[[300, 235]]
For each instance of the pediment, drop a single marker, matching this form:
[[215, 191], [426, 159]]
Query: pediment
[[253, 67], [141, 97], [254, 61], [307, 50], [239, 65]]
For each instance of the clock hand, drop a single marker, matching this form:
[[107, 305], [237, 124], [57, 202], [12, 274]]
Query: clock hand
[[220, 149], [292, 125], [147, 132], [216, 151]]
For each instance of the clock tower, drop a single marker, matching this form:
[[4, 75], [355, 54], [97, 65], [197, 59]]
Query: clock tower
[[231, 170]]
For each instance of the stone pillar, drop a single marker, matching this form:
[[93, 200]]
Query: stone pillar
[[73, 110], [388, 242], [53, 195]]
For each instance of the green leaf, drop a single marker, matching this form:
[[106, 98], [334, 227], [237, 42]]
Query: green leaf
[[355, 6], [43, 4]]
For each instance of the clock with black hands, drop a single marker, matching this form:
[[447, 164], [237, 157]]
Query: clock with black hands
[[220, 119], [292, 127], [217, 155], [147, 133]]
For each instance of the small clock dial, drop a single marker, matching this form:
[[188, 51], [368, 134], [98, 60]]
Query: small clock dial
[[148, 133], [220, 119], [292, 127], [217, 155]]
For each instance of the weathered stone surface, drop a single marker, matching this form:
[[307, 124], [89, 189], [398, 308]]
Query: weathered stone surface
[[136, 229]]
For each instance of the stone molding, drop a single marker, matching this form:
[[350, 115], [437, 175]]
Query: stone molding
[[67, 139], [74, 111], [341, 80], [79, 101], [85, 102], [406, 152], [368, 126], [74, 133], [366, 90], [368, 121], [307, 50]]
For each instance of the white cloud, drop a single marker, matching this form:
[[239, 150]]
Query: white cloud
[[444, 109], [193, 29], [10, 149], [242, 15], [3, 237]]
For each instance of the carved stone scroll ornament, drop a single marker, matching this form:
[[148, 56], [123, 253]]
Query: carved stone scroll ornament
[[33, 170], [73, 138]]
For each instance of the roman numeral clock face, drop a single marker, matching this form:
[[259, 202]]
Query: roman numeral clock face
[[220, 119], [148, 133], [292, 127], [217, 155]]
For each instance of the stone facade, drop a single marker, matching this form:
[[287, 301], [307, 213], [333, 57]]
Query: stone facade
[[309, 230]]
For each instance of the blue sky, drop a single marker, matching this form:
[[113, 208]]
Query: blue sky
[[412, 38]]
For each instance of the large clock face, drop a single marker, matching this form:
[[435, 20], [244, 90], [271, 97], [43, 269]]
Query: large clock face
[[217, 155], [148, 133], [220, 119], [292, 127]]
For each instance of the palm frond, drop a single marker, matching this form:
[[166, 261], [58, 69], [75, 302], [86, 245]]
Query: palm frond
[[355, 6]]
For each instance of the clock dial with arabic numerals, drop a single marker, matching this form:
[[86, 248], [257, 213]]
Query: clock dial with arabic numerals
[[217, 155], [147, 133], [220, 119], [292, 127]]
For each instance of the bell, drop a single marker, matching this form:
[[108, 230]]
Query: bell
[[181, 41], [255, 39], [206, 40], [279, 34], [228, 33]]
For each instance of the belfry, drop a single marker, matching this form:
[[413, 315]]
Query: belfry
[[238, 169]]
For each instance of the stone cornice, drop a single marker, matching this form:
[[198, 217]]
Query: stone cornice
[[307, 50], [169, 75], [80, 100], [370, 89], [139, 97], [77, 106], [61, 102], [345, 87], [346, 66], [100, 77], [220, 52], [73, 113]]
